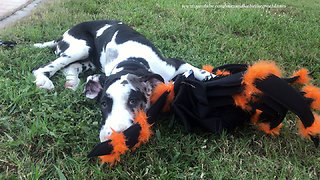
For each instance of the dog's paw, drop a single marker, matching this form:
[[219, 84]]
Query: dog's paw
[[44, 82], [72, 84], [209, 77], [203, 75]]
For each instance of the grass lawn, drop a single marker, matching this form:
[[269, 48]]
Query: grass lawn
[[47, 134]]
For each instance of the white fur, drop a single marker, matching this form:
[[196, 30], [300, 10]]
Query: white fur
[[109, 54], [78, 48], [72, 72], [101, 30], [135, 49], [43, 81], [94, 77], [50, 44]]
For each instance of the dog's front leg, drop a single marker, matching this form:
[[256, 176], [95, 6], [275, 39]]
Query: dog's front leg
[[43, 73], [72, 72], [199, 74]]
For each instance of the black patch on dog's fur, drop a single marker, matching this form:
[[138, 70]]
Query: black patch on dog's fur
[[124, 82], [106, 107], [62, 45], [136, 99], [47, 74], [58, 40], [133, 64], [64, 55], [176, 63], [84, 67]]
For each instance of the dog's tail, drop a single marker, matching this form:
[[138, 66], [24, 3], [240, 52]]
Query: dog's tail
[[50, 44], [8, 43]]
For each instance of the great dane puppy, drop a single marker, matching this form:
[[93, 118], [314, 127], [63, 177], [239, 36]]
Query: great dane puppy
[[131, 67]]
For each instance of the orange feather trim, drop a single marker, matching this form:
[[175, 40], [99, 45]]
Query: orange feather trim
[[145, 131], [313, 130], [208, 68], [118, 141], [259, 70], [266, 128], [159, 90], [255, 118], [314, 93], [303, 76], [222, 72], [136, 146], [241, 101]]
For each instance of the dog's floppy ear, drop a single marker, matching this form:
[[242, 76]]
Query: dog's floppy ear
[[94, 85], [145, 83], [153, 79]]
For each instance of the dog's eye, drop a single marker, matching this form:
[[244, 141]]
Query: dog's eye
[[104, 104], [132, 102]]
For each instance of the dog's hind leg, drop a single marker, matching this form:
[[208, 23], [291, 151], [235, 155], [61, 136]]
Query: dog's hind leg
[[72, 72], [69, 50]]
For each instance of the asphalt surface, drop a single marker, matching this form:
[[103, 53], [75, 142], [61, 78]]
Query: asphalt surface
[[11, 14]]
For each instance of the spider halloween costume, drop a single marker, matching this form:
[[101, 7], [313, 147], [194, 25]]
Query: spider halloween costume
[[239, 94]]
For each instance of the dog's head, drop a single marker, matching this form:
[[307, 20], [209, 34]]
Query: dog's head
[[120, 95]]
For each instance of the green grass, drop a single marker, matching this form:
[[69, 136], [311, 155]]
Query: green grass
[[47, 134]]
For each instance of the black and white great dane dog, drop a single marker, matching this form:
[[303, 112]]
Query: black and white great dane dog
[[131, 64]]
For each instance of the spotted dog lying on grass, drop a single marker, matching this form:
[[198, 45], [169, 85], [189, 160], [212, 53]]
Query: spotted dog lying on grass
[[131, 67]]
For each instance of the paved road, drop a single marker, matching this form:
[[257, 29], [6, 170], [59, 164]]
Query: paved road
[[13, 10]]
